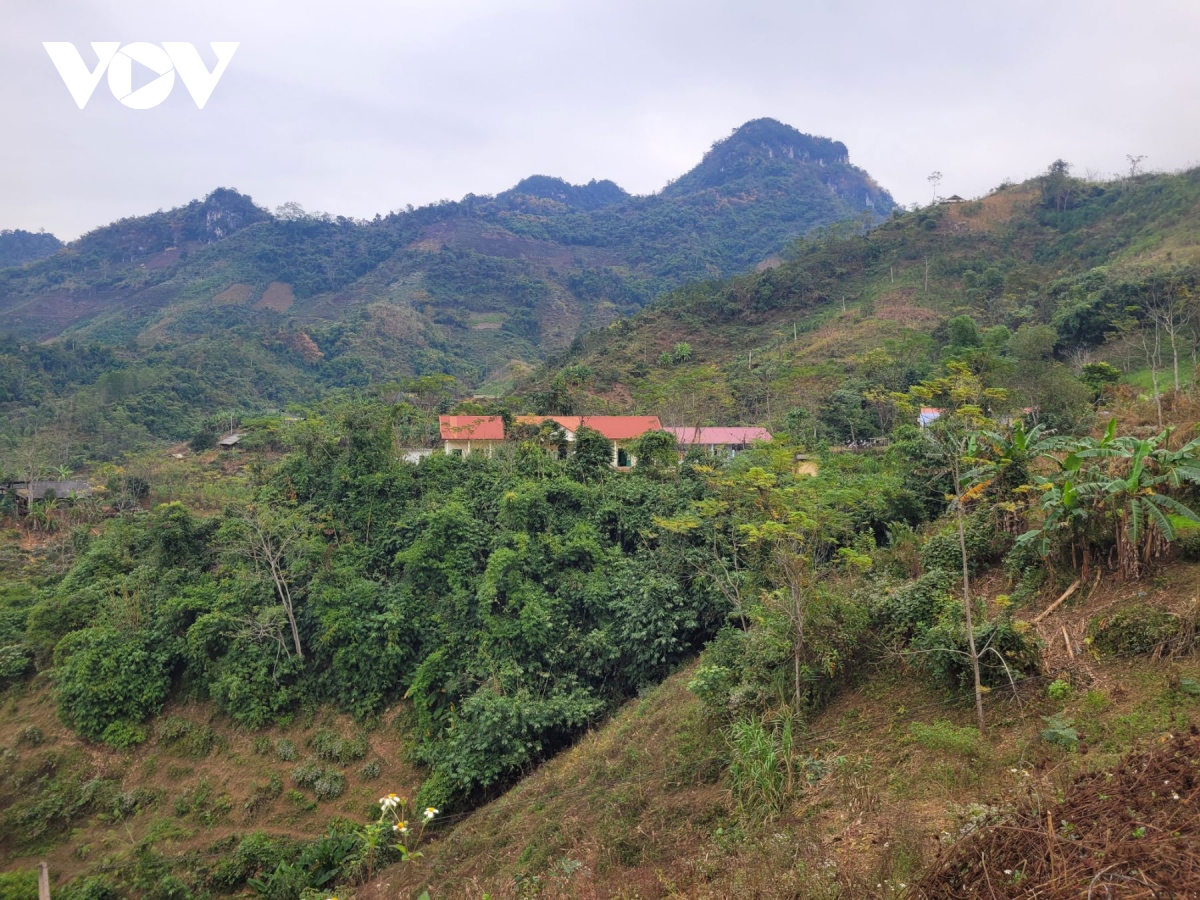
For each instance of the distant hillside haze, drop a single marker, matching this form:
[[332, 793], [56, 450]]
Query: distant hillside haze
[[470, 287], [20, 247], [584, 197]]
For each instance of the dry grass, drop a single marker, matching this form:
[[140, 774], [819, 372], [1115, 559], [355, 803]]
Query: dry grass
[[235, 294], [278, 297], [993, 211]]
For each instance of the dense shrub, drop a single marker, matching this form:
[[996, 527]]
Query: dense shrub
[[19, 885], [985, 544], [105, 676], [1134, 629], [909, 609], [324, 781], [332, 747], [495, 734], [1006, 650], [254, 854]]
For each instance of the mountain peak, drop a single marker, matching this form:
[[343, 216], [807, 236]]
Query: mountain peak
[[759, 148], [773, 136]]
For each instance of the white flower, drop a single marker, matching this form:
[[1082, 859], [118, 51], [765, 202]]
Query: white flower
[[1174, 796], [1008, 871], [400, 828], [391, 801], [430, 812]]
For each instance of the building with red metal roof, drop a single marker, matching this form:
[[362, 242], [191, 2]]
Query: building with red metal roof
[[471, 434], [733, 438]]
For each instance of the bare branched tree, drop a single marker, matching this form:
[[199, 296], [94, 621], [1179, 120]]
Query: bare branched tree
[[1171, 311], [269, 541], [934, 179]]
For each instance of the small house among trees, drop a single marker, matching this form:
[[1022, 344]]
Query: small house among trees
[[622, 431], [463, 435], [719, 441], [40, 491]]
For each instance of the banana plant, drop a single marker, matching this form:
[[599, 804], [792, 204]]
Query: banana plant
[[1010, 459], [1116, 489]]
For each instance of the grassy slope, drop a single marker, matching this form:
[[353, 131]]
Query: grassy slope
[[192, 801]]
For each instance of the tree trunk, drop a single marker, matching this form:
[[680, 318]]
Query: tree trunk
[[285, 598], [1152, 357], [962, 546], [1175, 360], [796, 666]]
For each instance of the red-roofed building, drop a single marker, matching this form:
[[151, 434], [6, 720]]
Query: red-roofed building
[[482, 434], [723, 441], [621, 430], [471, 434]]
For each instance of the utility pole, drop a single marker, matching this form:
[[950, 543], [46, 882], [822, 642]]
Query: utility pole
[[43, 881]]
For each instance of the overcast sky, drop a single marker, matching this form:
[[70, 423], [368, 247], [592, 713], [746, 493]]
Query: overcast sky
[[357, 107]]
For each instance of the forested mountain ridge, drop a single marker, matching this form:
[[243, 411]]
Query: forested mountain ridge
[[19, 247], [222, 304], [1085, 260]]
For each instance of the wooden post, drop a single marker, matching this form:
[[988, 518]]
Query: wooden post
[[43, 881]]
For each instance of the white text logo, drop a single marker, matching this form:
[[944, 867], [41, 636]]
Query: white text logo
[[118, 60]]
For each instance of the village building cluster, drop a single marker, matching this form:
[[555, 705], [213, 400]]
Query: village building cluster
[[463, 435]]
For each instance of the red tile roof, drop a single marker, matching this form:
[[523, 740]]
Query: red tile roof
[[471, 428], [615, 428], [720, 436]]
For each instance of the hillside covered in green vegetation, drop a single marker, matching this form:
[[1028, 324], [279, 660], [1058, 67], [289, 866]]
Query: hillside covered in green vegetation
[[866, 658], [221, 306], [1055, 270]]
